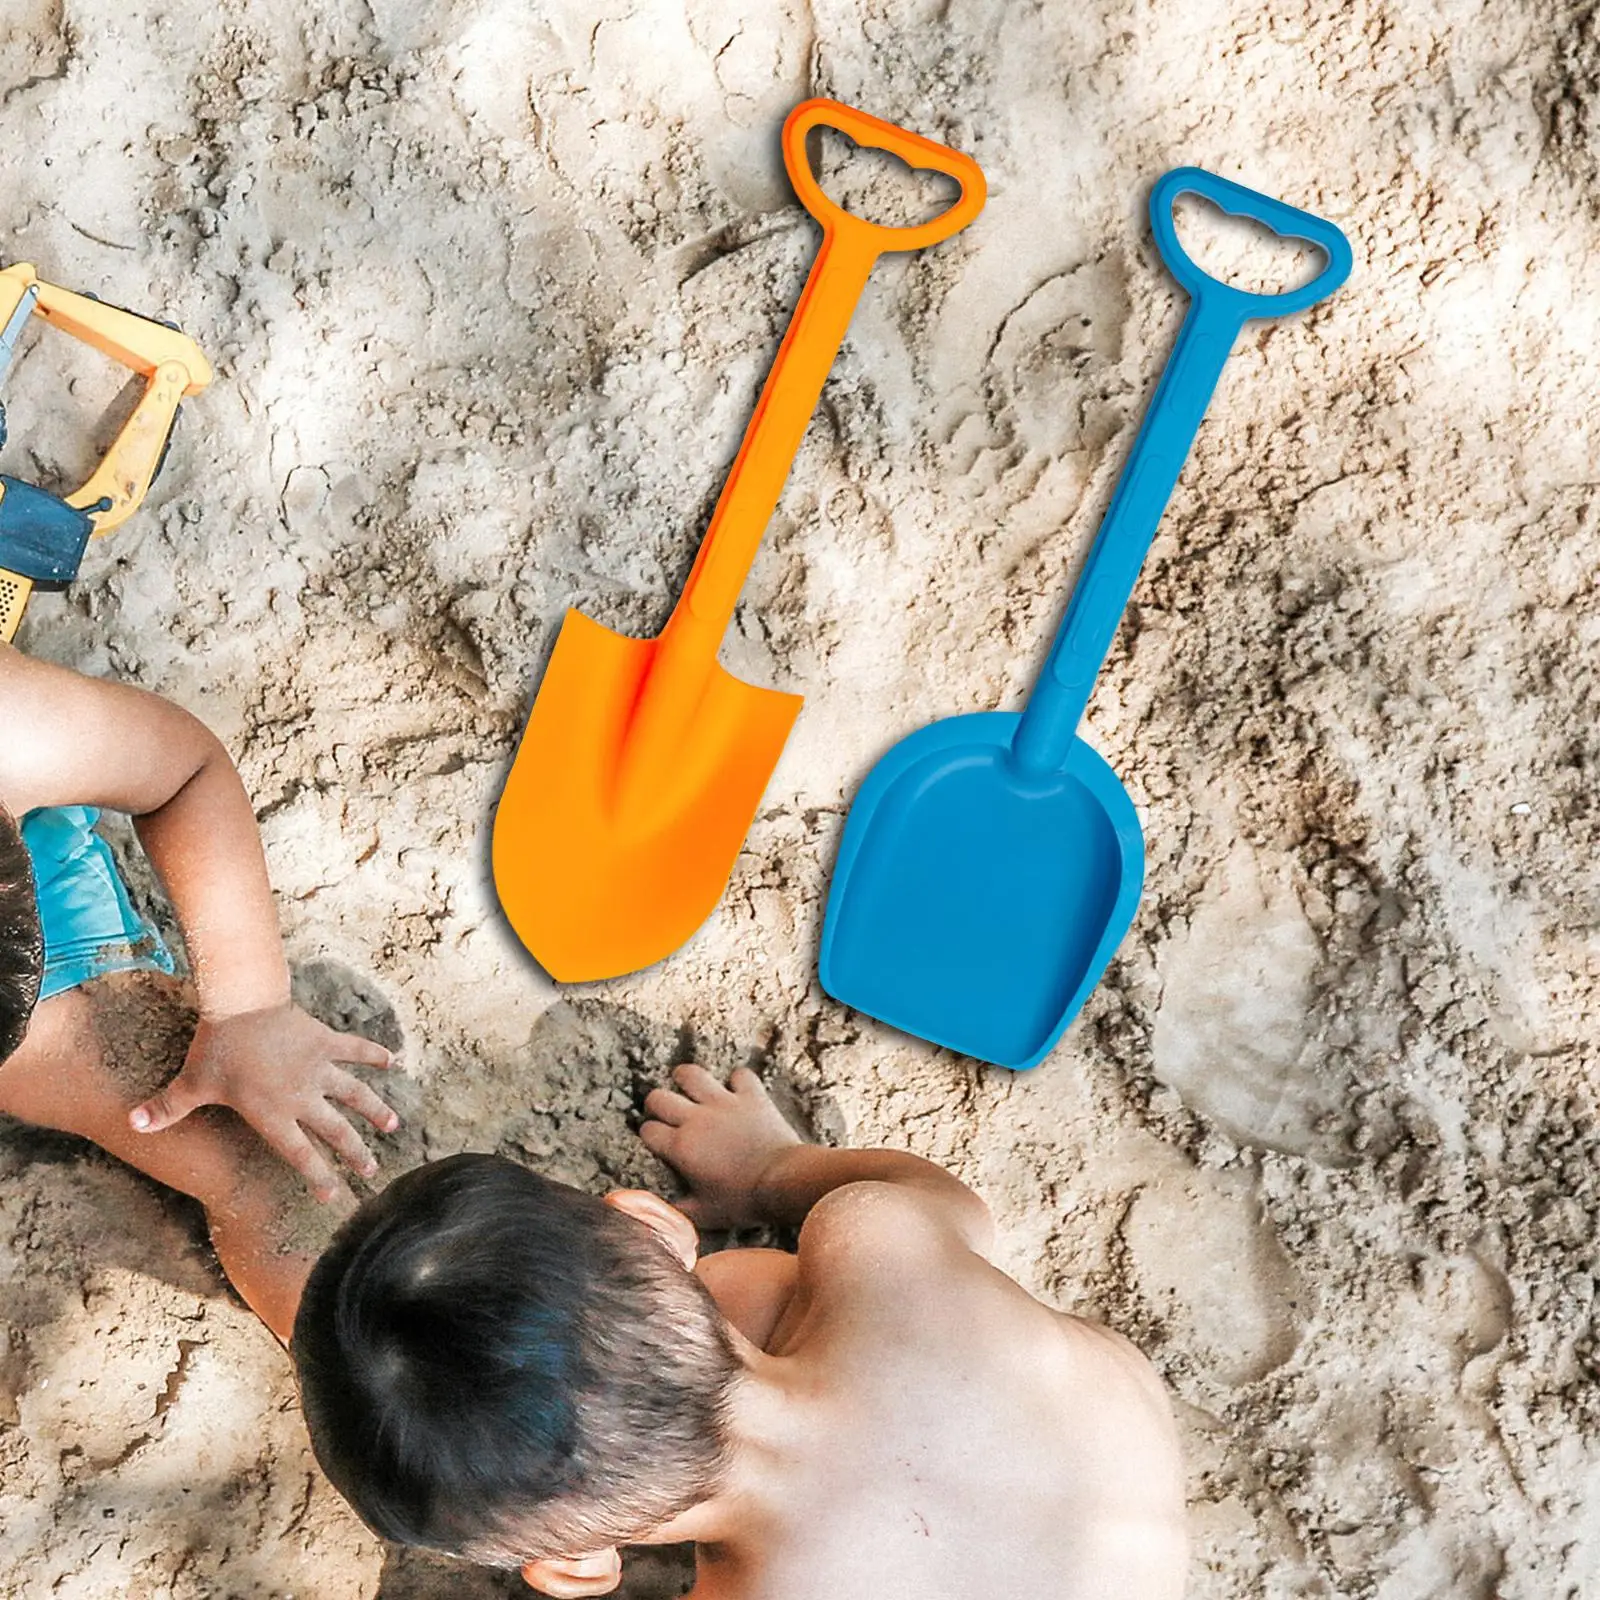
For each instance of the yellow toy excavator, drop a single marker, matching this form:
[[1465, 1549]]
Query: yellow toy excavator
[[43, 535]]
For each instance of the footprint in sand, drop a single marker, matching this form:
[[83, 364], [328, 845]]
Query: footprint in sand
[[1231, 1036], [1211, 1267]]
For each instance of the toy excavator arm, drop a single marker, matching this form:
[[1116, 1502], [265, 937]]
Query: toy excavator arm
[[42, 535], [172, 366]]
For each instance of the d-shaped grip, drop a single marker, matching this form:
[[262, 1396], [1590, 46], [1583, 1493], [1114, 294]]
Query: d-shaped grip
[[914, 150], [1239, 201]]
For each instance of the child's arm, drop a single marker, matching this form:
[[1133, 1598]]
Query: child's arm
[[744, 1164], [70, 740]]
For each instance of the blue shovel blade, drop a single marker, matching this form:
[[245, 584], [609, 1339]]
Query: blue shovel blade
[[975, 904]]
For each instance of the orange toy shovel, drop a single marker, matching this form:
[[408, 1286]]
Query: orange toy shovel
[[644, 760]]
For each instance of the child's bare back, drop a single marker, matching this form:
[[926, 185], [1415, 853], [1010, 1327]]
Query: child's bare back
[[961, 1439], [948, 1434], [883, 1413]]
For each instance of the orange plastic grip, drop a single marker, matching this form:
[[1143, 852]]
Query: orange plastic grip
[[914, 150]]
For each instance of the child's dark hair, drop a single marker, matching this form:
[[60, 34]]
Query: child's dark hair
[[21, 941], [502, 1367]]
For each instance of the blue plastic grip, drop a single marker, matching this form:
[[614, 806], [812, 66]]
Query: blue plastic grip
[[1238, 201], [1217, 311]]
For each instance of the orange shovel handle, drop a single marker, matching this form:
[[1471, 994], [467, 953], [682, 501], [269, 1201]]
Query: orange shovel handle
[[850, 246], [912, 148]]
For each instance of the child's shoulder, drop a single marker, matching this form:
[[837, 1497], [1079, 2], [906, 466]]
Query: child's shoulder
[[883, 1267], [882, 1230]]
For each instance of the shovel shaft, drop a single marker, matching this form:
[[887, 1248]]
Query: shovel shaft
[[670, 697], [1217, 311], [772, 440], [1101, 594], [850, 246]]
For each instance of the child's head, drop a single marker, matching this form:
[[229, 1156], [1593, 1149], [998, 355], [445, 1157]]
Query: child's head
[[21, 942], [506, 1368]]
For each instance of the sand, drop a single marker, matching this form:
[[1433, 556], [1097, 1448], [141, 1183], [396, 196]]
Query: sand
[[490, 288]]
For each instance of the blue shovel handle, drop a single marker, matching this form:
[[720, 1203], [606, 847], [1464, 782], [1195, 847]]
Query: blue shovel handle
[[1238, 201], [1217, 311]]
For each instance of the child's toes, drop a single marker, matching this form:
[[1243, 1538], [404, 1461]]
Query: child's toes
[[743, 1081]]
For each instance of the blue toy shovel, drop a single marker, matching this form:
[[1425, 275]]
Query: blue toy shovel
[[992, 863]]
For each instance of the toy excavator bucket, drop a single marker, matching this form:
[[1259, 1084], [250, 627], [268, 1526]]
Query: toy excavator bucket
[[42, 535]]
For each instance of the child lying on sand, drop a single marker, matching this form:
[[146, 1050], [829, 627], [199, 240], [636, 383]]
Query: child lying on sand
[[499, 1366], [110, 1025]]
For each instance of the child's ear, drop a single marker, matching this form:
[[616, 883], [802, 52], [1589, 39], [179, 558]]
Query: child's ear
[[663, 1219], [572, 1577]]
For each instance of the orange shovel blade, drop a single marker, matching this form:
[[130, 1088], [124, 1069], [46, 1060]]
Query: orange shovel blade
[[603, 866]]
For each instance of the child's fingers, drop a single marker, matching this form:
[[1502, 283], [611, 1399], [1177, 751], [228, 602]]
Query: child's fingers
[[658, 1138], [696, 1082], [743, 1081], [173, 1104], [336, 1133], [306, 1159], [665, 1106], [365, 1053], [365, 1102]]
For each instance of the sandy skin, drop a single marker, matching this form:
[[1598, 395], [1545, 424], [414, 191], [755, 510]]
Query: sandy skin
[[77, 740], [92, 1054]]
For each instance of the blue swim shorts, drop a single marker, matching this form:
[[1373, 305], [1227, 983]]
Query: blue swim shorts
[[90, 926]]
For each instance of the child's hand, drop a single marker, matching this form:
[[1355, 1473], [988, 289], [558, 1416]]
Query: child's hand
[[720, 1141], [278, 1068]]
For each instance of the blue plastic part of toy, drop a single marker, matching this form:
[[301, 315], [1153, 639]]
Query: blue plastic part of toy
[[947, 893], [991, 864], [42, 538], [1217, 312]]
